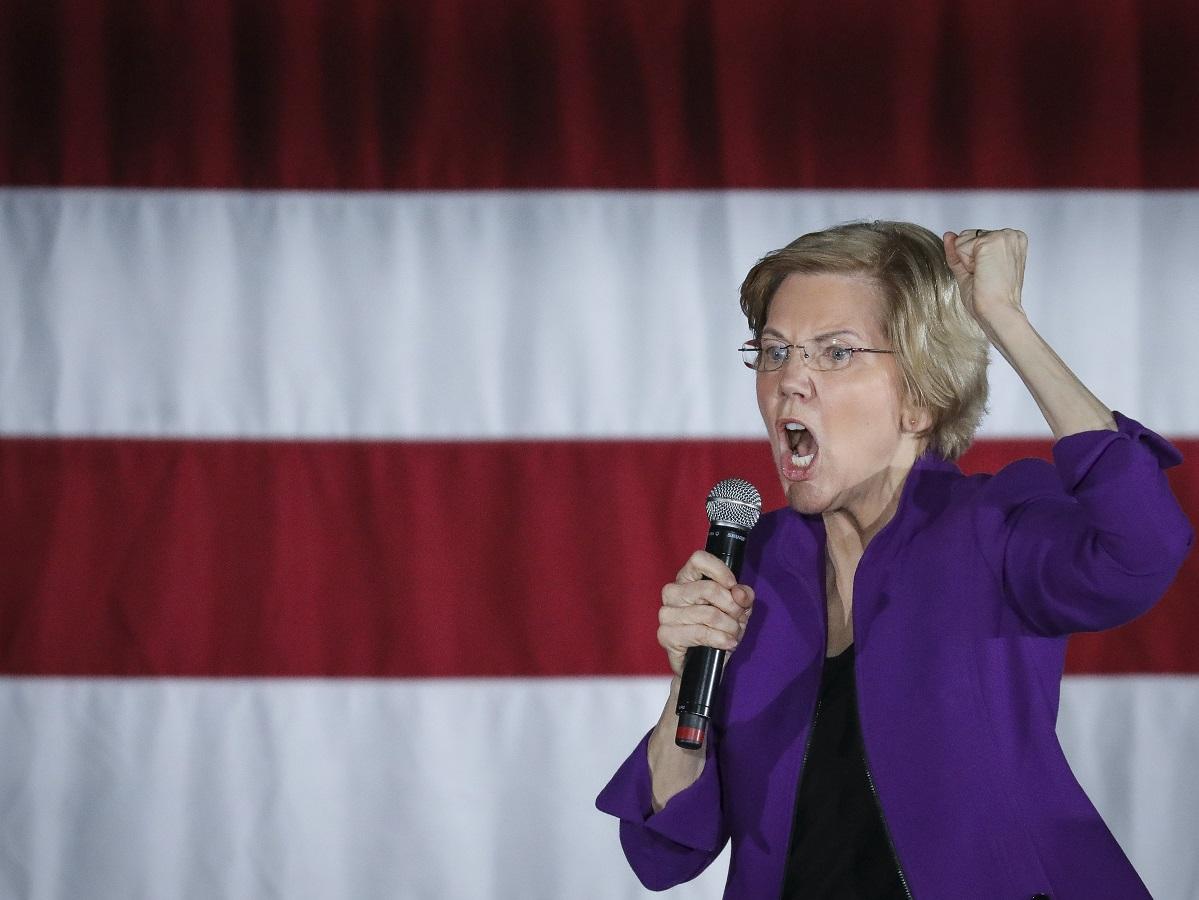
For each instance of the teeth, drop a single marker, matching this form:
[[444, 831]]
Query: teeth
[[794, 426], [802, 461]]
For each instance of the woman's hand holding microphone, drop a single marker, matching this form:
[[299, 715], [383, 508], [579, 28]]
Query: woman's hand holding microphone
[[703, 606]]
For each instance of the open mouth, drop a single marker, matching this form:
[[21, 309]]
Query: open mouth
[[801, 443]]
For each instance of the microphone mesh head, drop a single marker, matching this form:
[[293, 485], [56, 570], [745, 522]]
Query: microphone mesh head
[[734, 502]]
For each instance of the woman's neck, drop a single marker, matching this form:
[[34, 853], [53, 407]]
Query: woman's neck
[[851, 527]]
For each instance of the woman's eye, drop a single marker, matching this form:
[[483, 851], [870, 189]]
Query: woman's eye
[[776, 352], [838, 354]]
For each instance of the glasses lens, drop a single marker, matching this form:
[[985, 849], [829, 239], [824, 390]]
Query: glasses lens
[[751, 354], [774, 354], [830, 357]]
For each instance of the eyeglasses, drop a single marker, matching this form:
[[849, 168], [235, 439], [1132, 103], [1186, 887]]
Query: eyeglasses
[[823, 355]]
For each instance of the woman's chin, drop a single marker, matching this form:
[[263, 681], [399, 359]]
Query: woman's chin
[[803, 481], [803, 497]]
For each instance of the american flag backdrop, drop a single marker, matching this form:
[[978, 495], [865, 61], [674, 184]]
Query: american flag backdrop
[[364, 367]]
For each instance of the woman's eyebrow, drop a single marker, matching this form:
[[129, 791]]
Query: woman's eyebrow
[[832, 334], [824, 336]]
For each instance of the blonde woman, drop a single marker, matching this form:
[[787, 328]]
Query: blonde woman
[[885, 727]]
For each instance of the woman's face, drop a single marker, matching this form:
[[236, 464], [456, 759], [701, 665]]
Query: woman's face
[[854, 449]]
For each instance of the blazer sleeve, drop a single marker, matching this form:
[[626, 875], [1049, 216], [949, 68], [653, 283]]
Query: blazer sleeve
[[678, 842], [1094, 540]]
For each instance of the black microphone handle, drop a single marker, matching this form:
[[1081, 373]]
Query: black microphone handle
[[703, 666]]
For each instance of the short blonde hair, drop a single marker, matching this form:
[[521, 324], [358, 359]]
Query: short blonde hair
[[942, 351]]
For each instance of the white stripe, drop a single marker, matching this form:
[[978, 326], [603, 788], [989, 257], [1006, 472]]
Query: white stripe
[[315, 789], [1131, 741], [515, 314], [433, 788]]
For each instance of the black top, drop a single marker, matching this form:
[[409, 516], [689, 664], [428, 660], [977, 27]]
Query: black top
[[839, 844]]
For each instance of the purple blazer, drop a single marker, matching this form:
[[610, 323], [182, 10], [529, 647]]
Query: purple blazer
[[962, 605]]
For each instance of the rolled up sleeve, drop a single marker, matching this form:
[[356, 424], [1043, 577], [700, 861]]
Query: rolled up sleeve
[[678, 842], [1094, 540]]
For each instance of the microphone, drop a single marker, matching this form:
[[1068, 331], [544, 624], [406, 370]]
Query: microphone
[[734, 506]]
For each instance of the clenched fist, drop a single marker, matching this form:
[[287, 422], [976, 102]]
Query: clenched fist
[[989, 268]]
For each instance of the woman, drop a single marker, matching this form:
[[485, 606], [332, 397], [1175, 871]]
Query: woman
[[886, 726]]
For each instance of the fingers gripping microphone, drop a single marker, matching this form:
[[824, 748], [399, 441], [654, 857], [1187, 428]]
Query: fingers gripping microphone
[[734, 506]]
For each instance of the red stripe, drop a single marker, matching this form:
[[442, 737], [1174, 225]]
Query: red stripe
[[228, 558], [570, 93]]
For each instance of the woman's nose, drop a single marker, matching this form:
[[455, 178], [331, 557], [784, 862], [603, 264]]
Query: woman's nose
[[795, 377]]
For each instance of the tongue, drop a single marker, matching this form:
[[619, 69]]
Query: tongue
[[804, 444]]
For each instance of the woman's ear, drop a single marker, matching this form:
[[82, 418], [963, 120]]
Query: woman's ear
[[916, 419]]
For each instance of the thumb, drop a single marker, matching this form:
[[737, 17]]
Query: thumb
[[957, 263]]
